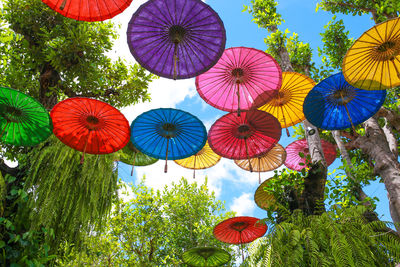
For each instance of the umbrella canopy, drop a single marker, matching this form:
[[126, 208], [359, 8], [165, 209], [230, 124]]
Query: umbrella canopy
[[88, 10], [293, 158], [203, 159], [168, 133], [334, 104], [243, 79], [271, 160], [264, 199], [239, 230], [132, 156], [176, 39], [287, 103], [373, 61], [244, 137], [206, 257], [23, 120], [90, 125]]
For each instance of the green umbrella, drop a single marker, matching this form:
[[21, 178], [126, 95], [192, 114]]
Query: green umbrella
[[132, 156], [206, 257], [23, 120]]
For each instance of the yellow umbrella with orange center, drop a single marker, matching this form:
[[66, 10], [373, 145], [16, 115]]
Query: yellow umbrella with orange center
[[373, 61], [287, 103], [203, 159], [271, 160]]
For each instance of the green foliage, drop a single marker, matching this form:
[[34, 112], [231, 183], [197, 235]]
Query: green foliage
[[340, 237], [154, 228], [335, 44], [44, 48], [300, 53], [67, 196], [264, 13]]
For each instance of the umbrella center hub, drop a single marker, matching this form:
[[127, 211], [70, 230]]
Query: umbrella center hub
[[239, 226], [12, 114], [92, 122], [306, 150], [387, 51], [176, 33], [168, 130], [281, 98], [206, 252], [238, 73], [343, 96], [243, 131]]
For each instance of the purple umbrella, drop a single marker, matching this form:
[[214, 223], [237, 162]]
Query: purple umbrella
[[176, 39]]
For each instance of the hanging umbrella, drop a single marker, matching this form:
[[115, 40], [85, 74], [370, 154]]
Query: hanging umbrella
[[132, 156], [90, 126], [239, 230], [176, 39], [333, 104], [264, 199], [88, 10], [203, 159], [293, 158], [246, 136], [167, 133], [287, 103], [23, 120], [206, 257], [243, 79], [373, 61], [271, 160]]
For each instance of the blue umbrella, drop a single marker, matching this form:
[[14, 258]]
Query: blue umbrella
[[333, 104], [167, 133]]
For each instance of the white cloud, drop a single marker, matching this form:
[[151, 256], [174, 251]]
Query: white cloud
[[243, 205]]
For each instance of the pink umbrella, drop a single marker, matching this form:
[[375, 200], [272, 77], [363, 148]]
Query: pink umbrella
[[293, 158], [243, 79], [246, 136]]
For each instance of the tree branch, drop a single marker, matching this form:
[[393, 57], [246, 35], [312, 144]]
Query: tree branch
[[392, 117]]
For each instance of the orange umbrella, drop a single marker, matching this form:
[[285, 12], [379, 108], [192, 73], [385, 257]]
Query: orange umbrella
[[203, 159], [264, 199], [287, 103], [373, 61], [271, 160]]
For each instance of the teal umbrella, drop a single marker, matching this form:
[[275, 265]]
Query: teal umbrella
[[206, 257], [23, 120], [132, 156]]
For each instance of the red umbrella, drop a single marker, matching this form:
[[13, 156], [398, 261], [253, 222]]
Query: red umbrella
[[243, 79], [88, 10], [90, 126], [246, 136], [293, 158], [239, 230]]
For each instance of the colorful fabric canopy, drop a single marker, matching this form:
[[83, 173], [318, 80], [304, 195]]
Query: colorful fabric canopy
[[132, 156], [373, 61], [176, 39], [90, 125], [88, 10], [206, 257], [243, 79], [287, 104], [295, 162], [168, 133], [244, 137], [23, 120], [333, 104], [262, 198], [270, 161], [203, 159]]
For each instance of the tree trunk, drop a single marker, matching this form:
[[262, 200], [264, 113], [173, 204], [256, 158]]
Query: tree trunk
[[375, 145], [49, 77]]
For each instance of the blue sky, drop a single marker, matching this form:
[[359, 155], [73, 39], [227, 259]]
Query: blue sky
[[231, 184]]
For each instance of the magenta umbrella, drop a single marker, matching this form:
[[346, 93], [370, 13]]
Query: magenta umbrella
[[243, 79], [295, 162], [246, 136]]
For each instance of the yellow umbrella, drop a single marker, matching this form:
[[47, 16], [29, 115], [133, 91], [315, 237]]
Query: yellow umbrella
[[271, 160], [203, 159], [263, 199], [373, 61], [287, 104]]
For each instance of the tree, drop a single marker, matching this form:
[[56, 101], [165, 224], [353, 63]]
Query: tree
[[155, 227]]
